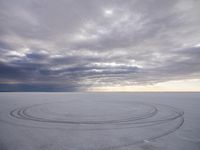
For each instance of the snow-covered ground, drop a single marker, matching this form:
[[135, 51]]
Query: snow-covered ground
[[99, 121]]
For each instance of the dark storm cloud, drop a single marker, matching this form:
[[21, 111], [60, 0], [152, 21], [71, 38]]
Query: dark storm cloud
[[10, 72], [39, 68], [36, 56], [73, 45], [37, 88]]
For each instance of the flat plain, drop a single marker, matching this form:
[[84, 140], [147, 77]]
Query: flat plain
[[100, 121]]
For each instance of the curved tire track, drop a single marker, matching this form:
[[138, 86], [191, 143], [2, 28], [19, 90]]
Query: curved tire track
[[156, 116]]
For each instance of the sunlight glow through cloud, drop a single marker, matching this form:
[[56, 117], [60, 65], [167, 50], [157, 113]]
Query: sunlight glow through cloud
[[108, 12]]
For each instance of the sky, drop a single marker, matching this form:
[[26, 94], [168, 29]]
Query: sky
[[99, 45]]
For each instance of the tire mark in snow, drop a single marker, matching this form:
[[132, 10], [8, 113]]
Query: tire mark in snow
[[157, 115]]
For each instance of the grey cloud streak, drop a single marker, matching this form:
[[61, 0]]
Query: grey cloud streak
[[74, 45]]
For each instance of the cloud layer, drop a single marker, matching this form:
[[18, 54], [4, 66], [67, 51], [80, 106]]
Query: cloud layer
[[74, 45]]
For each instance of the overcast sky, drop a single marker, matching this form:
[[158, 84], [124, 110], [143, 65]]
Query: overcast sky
[[89, 45]]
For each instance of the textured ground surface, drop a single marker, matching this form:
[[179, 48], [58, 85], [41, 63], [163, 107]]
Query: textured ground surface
[[99, 121]]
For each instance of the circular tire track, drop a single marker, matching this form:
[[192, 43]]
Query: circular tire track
[[21, 113], [165, 118]]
